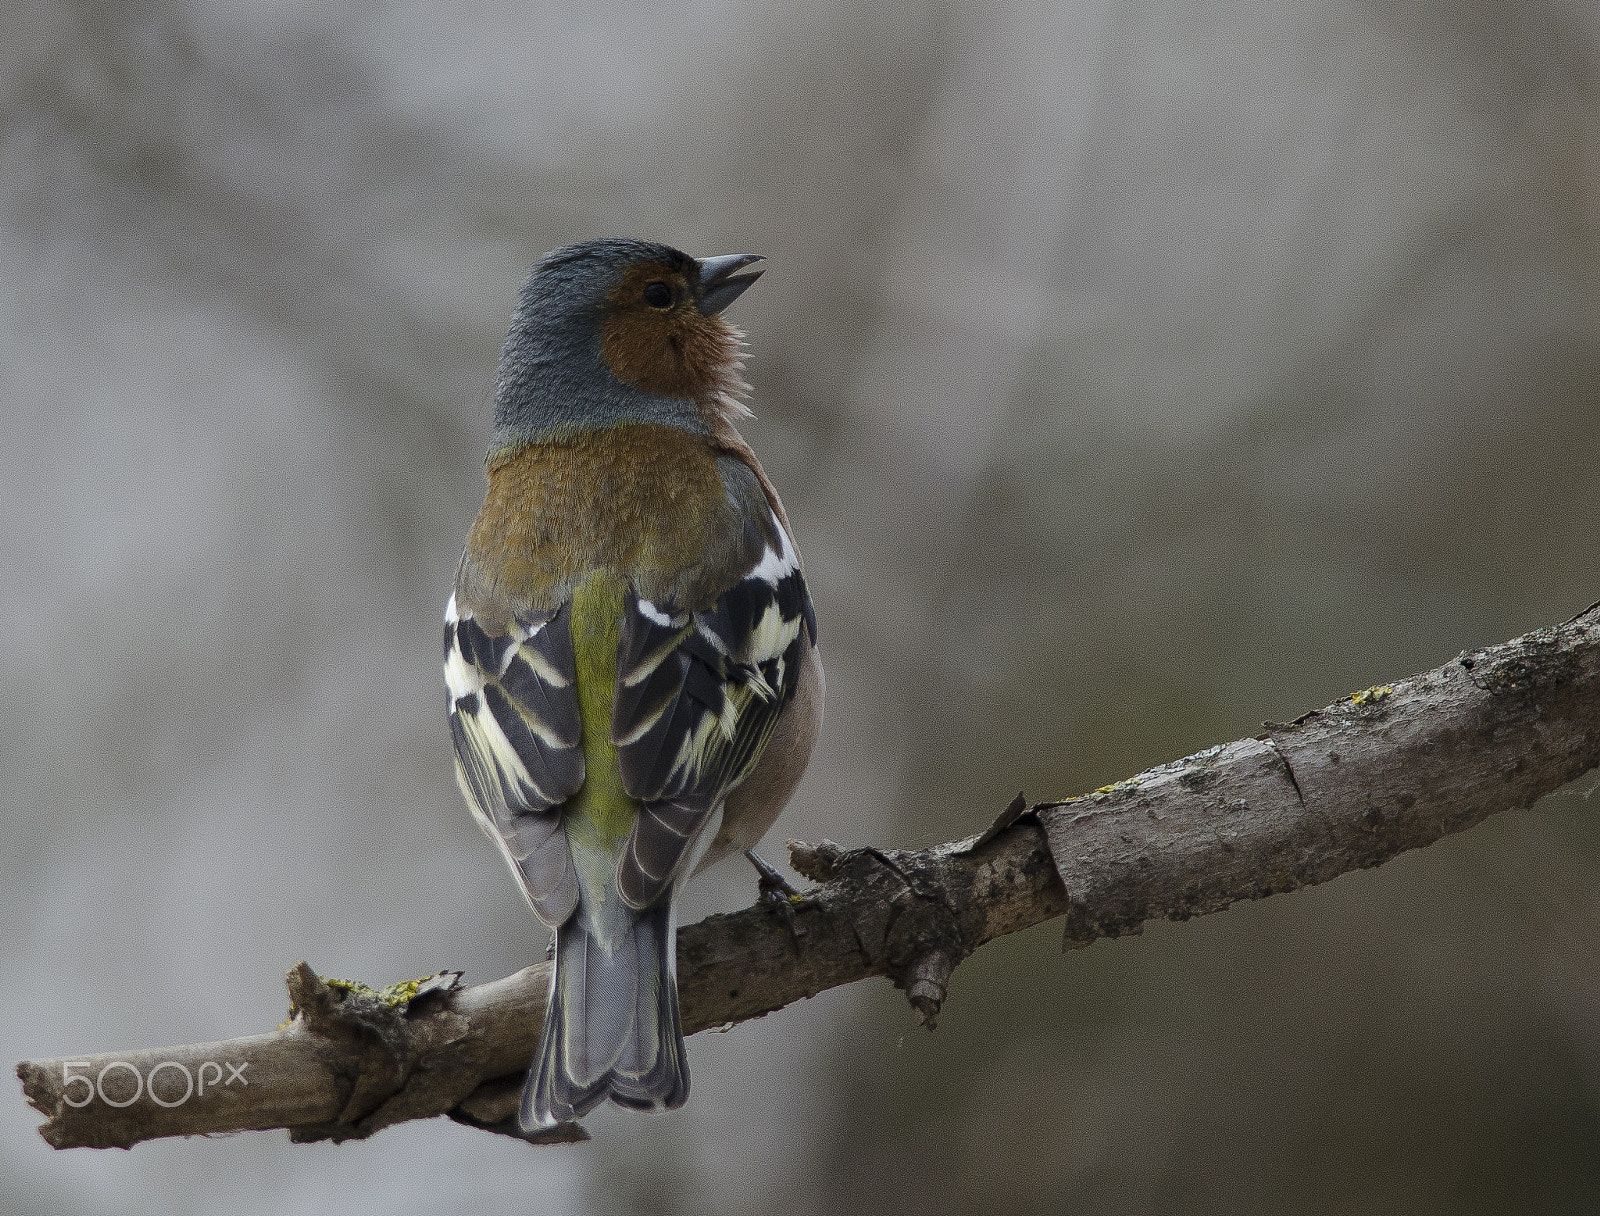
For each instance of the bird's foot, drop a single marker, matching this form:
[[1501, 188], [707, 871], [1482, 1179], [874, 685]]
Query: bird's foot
[[776, 892], [774, 886]]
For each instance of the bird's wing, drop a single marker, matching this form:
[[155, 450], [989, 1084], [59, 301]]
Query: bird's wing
[[697, 696], [514, 716]]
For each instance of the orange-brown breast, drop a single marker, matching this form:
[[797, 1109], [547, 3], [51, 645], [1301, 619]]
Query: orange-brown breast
[[643, 501]]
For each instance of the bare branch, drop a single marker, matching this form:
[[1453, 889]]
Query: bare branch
[[1346, 787]]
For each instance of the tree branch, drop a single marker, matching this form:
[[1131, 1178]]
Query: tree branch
[[1341, 788]]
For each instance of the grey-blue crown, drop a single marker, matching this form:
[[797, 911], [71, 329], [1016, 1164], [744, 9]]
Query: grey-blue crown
[[552, 376]]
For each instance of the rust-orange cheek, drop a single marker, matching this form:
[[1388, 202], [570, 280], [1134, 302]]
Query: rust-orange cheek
[[678, 352]]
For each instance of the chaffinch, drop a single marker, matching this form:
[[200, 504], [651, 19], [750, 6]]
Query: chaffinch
[[630, 653]]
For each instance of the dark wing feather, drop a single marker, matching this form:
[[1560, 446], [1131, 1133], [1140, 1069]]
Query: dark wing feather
[[514, 719], [698, 696]]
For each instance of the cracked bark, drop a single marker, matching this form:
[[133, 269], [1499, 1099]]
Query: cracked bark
[[1338, 789]]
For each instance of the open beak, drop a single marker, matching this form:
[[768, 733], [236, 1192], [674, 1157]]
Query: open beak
[[720, 285]]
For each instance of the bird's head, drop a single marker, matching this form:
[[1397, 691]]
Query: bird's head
[[617, 330]]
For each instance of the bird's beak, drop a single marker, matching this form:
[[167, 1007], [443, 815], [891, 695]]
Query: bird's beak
[[719, 285]]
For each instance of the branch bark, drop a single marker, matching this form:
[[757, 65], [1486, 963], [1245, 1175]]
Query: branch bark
[[1342, 788]]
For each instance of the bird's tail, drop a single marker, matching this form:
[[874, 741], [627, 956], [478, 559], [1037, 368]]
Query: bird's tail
[[611, 1029]]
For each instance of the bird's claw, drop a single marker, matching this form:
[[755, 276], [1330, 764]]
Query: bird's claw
[[776, 892], [773, 885]]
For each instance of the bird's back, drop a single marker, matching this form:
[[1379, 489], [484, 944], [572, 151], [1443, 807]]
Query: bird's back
[[643, 502]]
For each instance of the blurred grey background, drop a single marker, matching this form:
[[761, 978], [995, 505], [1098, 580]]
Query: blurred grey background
[[1133, 373]]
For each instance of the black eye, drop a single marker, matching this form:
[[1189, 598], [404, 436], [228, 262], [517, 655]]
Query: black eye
[[658, 295]]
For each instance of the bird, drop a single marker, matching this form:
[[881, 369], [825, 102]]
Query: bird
[[633, 678]]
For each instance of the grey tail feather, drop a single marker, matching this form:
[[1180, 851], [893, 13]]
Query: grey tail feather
[[612, 1026]]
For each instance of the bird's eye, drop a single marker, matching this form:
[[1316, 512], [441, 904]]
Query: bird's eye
[[658, 295]]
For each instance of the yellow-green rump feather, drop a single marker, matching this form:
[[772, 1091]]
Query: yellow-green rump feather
[[601, 814]]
